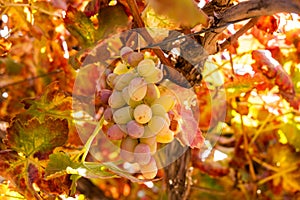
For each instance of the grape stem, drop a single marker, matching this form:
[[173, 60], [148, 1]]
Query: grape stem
[[88, 144], [140, 23]]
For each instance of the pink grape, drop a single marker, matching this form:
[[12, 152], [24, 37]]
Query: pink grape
[[142, 154], [127, 148], [125, 51], [134, 58], [134, 129], [104, 95], [108, 115], [151, 141], [115, 133], [149, 170]]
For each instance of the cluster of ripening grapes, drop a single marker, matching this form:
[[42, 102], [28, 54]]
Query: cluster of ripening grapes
[[138, 110]]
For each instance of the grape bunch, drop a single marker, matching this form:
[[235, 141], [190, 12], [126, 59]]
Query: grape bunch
[[138, 111]]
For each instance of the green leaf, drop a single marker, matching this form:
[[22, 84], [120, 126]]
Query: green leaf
[[58, 163], [111, 19], [28, 136], [52, 103], [292, 132], [183, 12], [80, 26]]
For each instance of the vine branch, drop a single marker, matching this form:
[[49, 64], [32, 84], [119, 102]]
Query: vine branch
[[140, 23]]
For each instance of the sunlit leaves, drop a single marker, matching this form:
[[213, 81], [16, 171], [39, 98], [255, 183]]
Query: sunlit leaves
[[54, 102], [110, 19], [80, 26], [190, 16], [287, 161], [28, 136]]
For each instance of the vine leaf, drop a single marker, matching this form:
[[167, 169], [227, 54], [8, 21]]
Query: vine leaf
[[53, 103], [190, 16], [80, 26], [292, 130], [28, 136], [58, 163], [110, 19], [287, 159]]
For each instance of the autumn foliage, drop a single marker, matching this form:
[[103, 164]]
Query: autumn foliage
[[240, 128]]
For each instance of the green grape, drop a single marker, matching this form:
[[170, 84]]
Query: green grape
[[127, 148], [155, 77], [134, 129], [128, 100], [142, 113], [124, 80], [116, 100], [115, 133], [152, 93], [110, 80], [158, 110], [123, 128], [149, 170], [122, 68], [167, 101], [147, 132], [123, 115], [142, 154], [137, 89], [156, 124], [165, 135], [151, 141], [146, 67]]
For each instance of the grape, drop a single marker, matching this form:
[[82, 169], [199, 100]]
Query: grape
[[167, 101], [127, 147], [134, 129], [147, 132], [125, 51], [156, 124], [165, 135], [137, 89], [152, 93], [116, 100], [123, 115], [151, 141], [142, 113], [146, 67], [155, 77], [115, 133], [134, 58], [110, 80], [142, 154], [128, 100], [122, 68], [108, 116], [158, 110], [104, 95], [124, 80], [123, 127], [149, 170]]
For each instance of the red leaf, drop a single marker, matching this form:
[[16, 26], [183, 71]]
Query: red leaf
[[268, 24]]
